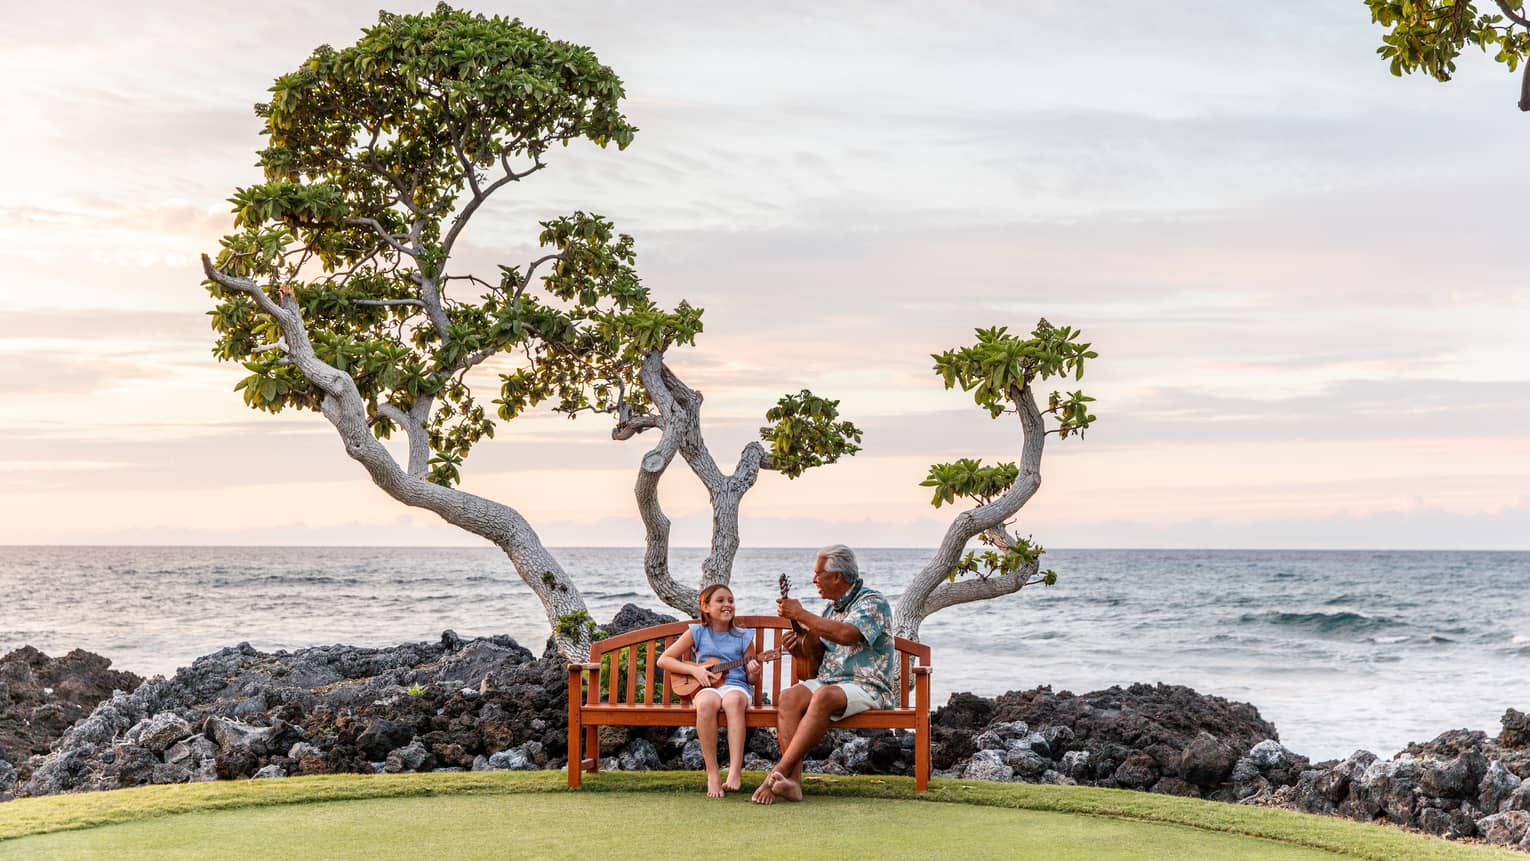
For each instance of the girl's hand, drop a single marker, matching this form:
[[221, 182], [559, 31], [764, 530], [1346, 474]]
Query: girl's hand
[[752, 671], [704, 676]]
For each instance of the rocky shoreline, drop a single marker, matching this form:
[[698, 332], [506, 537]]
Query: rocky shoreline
[[72, 724]]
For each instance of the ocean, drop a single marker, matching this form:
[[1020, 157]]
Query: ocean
[[1341, 650]]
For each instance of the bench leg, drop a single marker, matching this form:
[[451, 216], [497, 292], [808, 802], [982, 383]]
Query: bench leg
[[592, 747], [575, 726], [922, 732], [921, 763]]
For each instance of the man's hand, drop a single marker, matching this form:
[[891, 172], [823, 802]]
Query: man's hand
[[806, 646], [791, 608]]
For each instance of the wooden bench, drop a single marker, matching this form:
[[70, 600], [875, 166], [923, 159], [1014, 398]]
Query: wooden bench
[[628, 693]]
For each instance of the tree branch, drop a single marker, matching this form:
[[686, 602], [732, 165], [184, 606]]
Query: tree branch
[[388, 303], [633, 425], [419, 441], [526, 282], [479, 196], [430, 297], [245, 286], [949, 593], [1524, 89], [391, 240], [1512, 15]]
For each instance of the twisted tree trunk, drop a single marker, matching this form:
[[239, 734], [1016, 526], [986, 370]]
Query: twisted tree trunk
[[496, 522], [932, 589], [679, 416]]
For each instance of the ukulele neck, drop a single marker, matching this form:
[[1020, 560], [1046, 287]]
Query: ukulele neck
[[765, 658], [723, 668]]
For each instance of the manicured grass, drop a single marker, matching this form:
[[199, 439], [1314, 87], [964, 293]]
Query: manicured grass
[[645, 815]]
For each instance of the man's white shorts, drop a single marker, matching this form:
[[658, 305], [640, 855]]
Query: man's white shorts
[[857, 699]]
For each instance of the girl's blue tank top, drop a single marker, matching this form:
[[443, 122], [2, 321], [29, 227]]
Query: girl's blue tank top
[[727, 646]]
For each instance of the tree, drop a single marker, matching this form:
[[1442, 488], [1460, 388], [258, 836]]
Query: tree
[[339, 292], [805, 432], [999, 370], [1428, 35]]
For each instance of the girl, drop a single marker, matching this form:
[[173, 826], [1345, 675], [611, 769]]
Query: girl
[[717, 637]]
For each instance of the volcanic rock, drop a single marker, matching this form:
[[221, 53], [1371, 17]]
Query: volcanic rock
[[41, 697]]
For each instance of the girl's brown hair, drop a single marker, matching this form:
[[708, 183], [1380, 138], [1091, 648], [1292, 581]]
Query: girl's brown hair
[[706, 595]]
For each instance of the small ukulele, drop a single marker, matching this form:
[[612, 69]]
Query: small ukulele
[[785, 583], [809, 652], [686, 686]]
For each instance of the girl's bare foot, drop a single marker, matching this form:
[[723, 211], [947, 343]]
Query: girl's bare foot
[[714, 786], [734, 782]]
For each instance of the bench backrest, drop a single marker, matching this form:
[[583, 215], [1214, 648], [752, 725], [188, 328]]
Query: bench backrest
[[629, 673]]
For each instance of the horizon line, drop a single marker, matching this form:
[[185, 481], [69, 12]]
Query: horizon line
[[4, 545]]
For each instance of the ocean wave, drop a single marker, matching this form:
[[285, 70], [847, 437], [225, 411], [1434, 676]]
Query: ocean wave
[[302, 580], [1388, 641], [1343, 624], [1438, 638]]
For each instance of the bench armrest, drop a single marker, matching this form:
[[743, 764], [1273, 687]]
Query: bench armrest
[[919, 671], [577, 668]]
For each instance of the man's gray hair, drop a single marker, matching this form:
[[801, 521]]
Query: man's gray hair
[[841, 560]]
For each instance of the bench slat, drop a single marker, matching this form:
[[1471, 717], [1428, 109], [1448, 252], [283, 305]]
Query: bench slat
[[632, 666], [759, 647], [663, 643], [651, 681], [781, 667]]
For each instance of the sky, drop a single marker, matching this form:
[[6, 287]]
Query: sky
[[1302, 275]]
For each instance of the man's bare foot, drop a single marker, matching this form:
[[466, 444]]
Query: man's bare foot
[[714, 786], [763, 795], [783, 787], [734, 782]]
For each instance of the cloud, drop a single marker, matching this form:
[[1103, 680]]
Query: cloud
[[1421, 528], [1283, 255]]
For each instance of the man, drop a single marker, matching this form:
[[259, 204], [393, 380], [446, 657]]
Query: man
[[849, 653]]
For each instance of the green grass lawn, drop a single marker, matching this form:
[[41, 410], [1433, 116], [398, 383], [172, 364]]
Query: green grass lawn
[[648, 815]]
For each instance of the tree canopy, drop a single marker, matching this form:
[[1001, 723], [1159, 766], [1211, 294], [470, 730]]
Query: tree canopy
[[1428, 35], [339, 289]]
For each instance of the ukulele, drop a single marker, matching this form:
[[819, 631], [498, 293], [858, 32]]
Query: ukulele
[[686, 686], [809, 653]]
